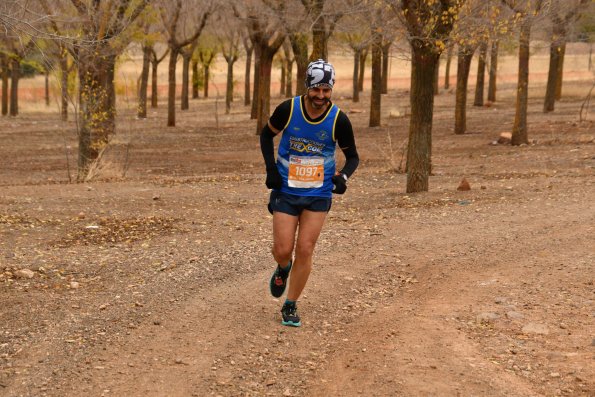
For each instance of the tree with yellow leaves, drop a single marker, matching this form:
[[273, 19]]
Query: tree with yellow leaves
[[429, 24]]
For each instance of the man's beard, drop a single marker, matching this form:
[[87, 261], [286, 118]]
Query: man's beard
[[325, 102]]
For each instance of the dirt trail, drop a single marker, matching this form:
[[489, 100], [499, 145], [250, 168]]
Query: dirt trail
[[156, 285], [382, 317]]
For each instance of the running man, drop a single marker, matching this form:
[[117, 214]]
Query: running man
[[303, 178]]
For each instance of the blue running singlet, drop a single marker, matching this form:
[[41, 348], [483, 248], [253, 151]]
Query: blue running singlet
[[306, 155]]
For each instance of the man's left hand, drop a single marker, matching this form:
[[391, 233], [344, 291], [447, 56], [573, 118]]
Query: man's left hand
[[340, 183]]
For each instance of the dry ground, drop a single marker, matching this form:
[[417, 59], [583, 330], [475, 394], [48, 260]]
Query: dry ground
[[155, 284]]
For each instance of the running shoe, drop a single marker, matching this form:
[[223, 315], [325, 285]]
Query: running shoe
[[279, 280], [290, 315]]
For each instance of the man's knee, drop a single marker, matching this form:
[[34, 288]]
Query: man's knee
[[282, 250], [304, 249]]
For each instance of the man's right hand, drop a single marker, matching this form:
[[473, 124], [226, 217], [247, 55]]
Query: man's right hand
[[274, 180]]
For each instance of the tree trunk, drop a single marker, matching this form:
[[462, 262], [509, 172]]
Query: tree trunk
[[207, 79], [171, 87], [283, 78], [63, 85], [362, 69], [154, 94], [299, 45], [144, 82], [463, 65], [447, 68], [552, 77], [356, 58], [14, 86], [385, 64], [319, 40], [264, 87], [376, 96], [5, 74], [185, 100], [111, 85], [256, 88], [47, 88], [493, 71], [229, 85], [437, 78], [481, 68], [419, 150], [247, 76], [97, 111], [195, 78], [519, 129], [289, 80], [560, 70]]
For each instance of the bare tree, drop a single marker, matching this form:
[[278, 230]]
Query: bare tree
[[4, 73], [295, 23], [481, 67], [561, 15], [16, 50], [362, 68], [492, 86], [387, 41], [323, 20], [376, 45], [447, 67], [471, 31], [527, 11], [249, 49], [289, 60], [103, 26], [187, 53], [59, 54], [229, 37], [147, 43], [376, 95], [197, 79], [148, 39], [267, 35], [463, 65], [207, 52], [144, 82], [155, 61], [357, 40], [428, 27], [231, 53], [183, 23]]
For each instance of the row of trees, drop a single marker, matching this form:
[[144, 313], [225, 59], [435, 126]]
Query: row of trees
[[89, 36]]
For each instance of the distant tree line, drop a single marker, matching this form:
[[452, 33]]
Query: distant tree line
[[79, 42]]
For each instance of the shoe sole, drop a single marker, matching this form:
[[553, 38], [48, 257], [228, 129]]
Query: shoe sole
[[291, 323]]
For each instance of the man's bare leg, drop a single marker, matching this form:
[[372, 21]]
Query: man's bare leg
[[310, 226], [284, 228]]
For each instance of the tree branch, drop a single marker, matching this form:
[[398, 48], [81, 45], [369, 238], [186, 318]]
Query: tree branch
[[80, 6]]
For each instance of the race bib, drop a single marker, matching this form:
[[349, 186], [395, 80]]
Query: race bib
[[305, 172]]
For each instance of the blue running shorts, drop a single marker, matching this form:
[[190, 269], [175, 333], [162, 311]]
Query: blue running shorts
[[294, 205]]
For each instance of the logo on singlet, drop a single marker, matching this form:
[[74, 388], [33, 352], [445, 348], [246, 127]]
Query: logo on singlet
[[302, 145], [322, 135]]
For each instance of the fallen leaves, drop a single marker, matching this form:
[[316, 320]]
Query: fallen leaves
[[116, 230]]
